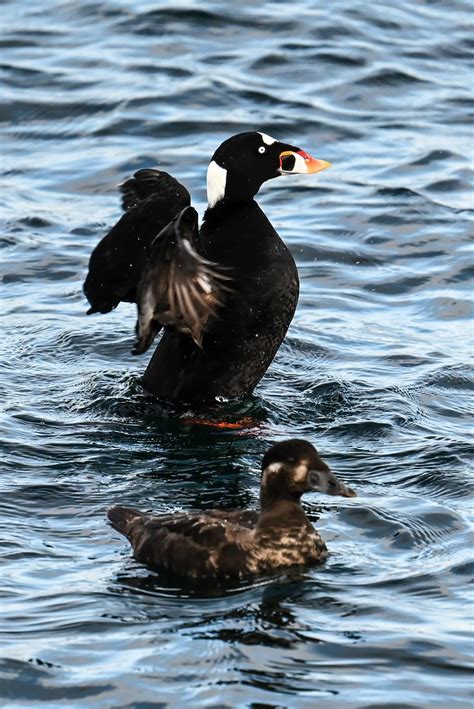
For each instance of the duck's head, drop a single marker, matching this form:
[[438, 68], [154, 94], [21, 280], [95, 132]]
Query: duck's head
[[291, 468], [241, 164]]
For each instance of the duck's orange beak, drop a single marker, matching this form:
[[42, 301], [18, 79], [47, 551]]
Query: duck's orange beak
[[299, 162]]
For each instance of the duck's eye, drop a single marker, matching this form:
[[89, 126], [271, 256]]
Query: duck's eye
[[261, 149], [332, 483]]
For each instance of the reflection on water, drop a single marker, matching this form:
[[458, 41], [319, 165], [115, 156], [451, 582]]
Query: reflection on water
[[373, 370]]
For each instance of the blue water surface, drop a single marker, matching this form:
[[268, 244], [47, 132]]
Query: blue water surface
[[374, 370]]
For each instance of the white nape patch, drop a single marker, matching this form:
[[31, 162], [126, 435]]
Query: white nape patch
[[267, 139], [216, 181], [270, 471]]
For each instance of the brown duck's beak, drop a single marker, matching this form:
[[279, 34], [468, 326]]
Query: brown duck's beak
[[298, 162], [325, 481], [345, 491]]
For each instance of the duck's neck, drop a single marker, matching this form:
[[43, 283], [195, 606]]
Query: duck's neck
[[229, 185], [225, 205], [285, 510]]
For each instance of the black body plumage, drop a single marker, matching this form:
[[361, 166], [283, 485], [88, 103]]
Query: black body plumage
[[241, 342], [224, 296]]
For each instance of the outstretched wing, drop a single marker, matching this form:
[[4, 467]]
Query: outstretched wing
[[151, 198], [179, 287]]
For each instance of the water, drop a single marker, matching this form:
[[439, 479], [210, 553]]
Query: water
[[373, 371]]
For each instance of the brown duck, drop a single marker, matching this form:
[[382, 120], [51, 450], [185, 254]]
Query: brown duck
[[230, 544]]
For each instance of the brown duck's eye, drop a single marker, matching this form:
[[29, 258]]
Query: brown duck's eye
[[332, 483]]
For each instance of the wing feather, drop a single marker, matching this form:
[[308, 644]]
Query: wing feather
[[185, 544], [180, 288], [151, 198]]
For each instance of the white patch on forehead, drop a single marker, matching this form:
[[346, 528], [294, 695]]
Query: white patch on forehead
[[216, 180], [267, 139]]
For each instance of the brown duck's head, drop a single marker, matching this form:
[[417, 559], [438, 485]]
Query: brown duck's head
[[291, 468]]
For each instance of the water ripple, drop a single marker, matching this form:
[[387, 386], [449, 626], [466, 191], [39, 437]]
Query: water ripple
[[374, 369]]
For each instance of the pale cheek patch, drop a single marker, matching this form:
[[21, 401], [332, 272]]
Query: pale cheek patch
[[267, 139], [216, 181], [301, 473]]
